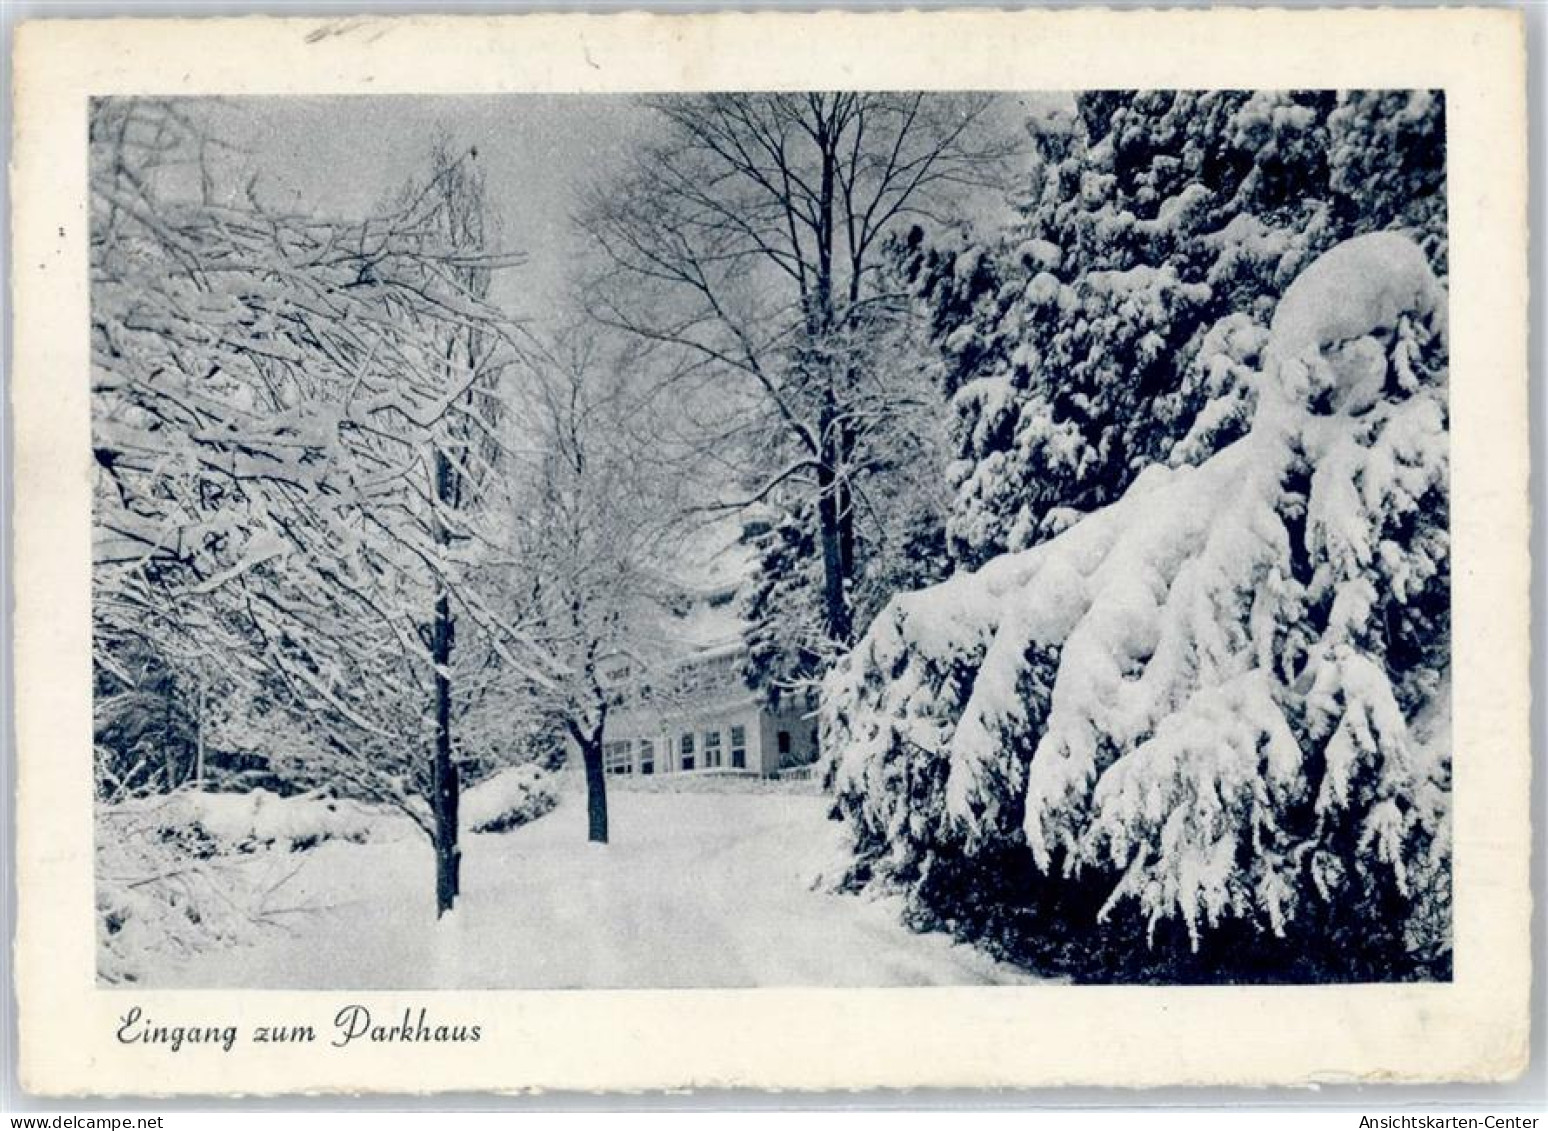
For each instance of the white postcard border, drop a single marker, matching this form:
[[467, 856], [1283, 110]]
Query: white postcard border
[[1475, 1028]]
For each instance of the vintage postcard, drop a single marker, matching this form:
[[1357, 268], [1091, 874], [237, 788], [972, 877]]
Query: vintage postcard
[[773, 551]]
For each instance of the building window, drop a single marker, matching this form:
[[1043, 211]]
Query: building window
[[686, 746], [711, 748], [647, 756], [738, 748], [784, 742], [615, 758]]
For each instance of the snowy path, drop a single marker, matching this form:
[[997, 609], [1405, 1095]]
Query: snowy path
[[696, 889]]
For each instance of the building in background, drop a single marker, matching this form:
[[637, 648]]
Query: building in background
[[692, 711]]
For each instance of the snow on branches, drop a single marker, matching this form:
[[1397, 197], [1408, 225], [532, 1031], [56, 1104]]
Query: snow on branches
[[294, 418], [1223, 696], [1095, 335]]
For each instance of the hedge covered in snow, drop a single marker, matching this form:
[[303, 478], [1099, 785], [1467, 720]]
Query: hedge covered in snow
[[211, 823], [189, 871], [508, 799], [1221, 700]]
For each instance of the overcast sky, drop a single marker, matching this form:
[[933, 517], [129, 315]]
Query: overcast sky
[[340, 156]]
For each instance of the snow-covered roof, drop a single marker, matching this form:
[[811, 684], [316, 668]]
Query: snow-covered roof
[[717, 558], [707, 625], [721, 562]]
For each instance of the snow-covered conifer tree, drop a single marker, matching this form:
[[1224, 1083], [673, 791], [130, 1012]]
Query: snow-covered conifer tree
[[1222, 699], [1107, 329]]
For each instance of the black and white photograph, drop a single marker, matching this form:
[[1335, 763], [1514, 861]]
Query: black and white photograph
[[790, 556], [825, 538]]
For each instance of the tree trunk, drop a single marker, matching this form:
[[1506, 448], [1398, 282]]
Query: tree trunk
[[835, 544], [844, 510], [835, 600], [443, 788], [443, 777], [169, 743], [832, 501], [199, 738], [596, 788]]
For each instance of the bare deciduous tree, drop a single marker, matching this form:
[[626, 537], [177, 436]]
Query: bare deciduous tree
[[293, 420], [595, 533], [751, 238]]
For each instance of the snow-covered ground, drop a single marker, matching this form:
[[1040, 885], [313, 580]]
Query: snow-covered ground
[[697, 889]]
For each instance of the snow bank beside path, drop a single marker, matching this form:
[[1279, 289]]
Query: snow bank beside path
[[711, 782], [182, 873], [213, 823], [696, 890]]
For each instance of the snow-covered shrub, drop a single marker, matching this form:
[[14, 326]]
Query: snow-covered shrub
[[1203, 701], [210, 824], [164, 892], [509, 799], [190, 871]]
